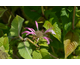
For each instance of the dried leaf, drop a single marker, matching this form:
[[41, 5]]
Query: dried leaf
[[70, 43]]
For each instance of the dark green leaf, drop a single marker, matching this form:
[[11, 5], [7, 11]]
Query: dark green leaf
[[2, 11]]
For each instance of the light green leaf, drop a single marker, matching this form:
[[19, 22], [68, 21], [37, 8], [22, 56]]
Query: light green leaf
[[55, 28], [45, 53], [16, 26], [36, 54], [71, 42], [6, 43], [2, 11], [25, 50]]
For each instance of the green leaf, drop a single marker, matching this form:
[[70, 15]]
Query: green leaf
[[16, 26], [55, 28], [6, 43], [45, 53], [2, 11], [1, 41], [66, 22], [71, 42], [32, 12], [2, 26], [1, 33], [25, 50], [36, 54]]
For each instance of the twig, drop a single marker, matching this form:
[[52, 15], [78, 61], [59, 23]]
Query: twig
[[15, 56], [52, 49], [53, 56], [73, 17], [42, 10], [32, 42]]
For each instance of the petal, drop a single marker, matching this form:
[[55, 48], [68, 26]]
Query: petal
[[36, 24], [25, 32], [28, 32], [37, 39], [50, 30], [31, 29], [48, 42]]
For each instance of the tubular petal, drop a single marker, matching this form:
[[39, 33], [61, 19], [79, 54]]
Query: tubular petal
[[31, 29], [36, 24], [47, 40]]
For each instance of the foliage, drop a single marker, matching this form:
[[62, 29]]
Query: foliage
[[55, 34]]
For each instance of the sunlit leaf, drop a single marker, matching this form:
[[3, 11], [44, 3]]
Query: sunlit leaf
[[16, 26], [45, 53], [25, 50], [36, 54], [55, 28], [70, 43]]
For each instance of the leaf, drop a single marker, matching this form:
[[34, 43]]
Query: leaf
[[36, 54], [66, 22], [2, 11], [1, 41], [16, 26], [6, 43], [55, 28], [25, 50], [2, 26], [32, 12], [70, 43], [45, 53]]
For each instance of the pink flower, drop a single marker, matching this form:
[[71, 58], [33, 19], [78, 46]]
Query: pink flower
[[38, 33]]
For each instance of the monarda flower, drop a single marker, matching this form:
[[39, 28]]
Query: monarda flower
[[39, 34]]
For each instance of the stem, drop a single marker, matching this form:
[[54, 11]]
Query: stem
[[73, 17], [32, 42], [53, 56], [42, 10]]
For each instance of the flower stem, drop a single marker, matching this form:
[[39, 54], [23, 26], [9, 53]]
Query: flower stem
[[53, 56], [73, 17], [42, 10], [32, 42]]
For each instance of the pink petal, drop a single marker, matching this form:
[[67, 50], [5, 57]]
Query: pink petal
[[31, 29], [36, 24], [50, 30], [25, 32], [28, 32], [47, 40]]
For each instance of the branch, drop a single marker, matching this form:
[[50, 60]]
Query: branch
[[32, 42], [73, 17], [53, 56]]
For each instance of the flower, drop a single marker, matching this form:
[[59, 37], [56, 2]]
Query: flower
[[38, 33]]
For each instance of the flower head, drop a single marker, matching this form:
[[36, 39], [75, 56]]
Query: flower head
[[38, 33]]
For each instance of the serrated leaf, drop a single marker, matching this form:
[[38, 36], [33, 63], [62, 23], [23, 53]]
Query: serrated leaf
[[2, 11], [25, 50], [70, 43], [45, 53], [36, 54], [55, 28], [16, 26]]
